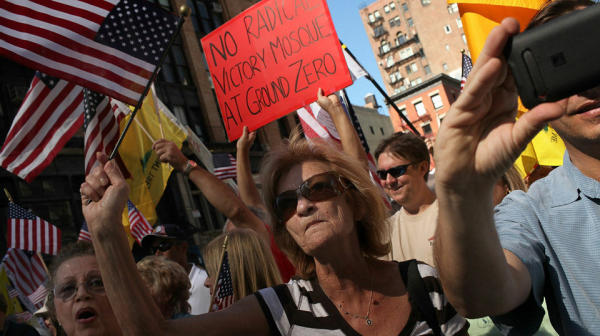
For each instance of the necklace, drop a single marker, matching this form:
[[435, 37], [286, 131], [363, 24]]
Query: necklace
[[368, 321]]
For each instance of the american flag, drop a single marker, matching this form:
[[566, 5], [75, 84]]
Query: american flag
[[109, 46], [223, 296], [138, 225], [28, 274], [84, 233], [101, 127], [225, 166], [467, 66], [26, 231], [49, 116]]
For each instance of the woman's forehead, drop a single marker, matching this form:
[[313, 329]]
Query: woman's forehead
[[77, 267]]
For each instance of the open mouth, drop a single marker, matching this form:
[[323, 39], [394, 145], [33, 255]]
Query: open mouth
[[86, 315], [587, 108]]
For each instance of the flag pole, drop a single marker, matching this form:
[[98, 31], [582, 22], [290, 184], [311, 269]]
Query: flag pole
[[216, 280], [388, 100], [156, 108], [183, 11], [10, 199]]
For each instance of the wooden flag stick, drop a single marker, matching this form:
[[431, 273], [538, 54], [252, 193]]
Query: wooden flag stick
[[216, 280], [154, 98], [8, 195]]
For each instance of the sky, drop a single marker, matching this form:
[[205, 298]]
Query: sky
[[351, 31]]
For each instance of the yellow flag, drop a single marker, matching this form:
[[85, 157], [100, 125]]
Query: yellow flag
[[13, 305], [148, 175], [479, 17]]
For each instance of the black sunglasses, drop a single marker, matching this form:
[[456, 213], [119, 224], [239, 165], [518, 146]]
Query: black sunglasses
[[164, 245], [319, 187], [394, 171]]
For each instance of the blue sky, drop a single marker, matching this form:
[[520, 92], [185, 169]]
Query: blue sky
[[351, 31]]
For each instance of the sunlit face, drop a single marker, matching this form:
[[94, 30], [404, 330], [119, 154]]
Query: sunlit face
[[316, 223], [401, 188], [580, 125], [88, 312]]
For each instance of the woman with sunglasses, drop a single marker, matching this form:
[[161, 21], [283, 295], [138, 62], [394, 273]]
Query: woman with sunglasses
[[79, 300], [329, 218]]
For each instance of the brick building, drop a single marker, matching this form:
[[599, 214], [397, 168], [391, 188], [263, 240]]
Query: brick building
[[185, 87]]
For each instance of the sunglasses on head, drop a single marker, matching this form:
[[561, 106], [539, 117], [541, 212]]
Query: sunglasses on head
[[394, 171], [319, 187], [164, 245]]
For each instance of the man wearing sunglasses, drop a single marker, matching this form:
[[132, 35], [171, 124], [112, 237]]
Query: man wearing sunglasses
[[170, 240], [403, 168]]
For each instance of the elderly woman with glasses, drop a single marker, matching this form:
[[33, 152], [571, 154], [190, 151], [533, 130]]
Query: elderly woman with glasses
[[79, 298]]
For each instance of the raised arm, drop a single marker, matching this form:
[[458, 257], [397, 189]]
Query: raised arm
[[350, 140], [248, 190], [477, 142], [219, 194], [136, 312]]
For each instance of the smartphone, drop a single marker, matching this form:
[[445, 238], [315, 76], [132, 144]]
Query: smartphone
[[557, 59]]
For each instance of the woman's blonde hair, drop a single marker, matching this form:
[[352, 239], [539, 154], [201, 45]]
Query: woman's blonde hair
[[363, 196], [251, 263], [512, 180], [168, 283]]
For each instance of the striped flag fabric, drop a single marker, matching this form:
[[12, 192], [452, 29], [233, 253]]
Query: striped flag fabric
[[109, 46], [467, 66], [138, 225], [28, 274], [84, 233], [223, 296], [27, 231], [225, 166], [101, 127], [51, 113]]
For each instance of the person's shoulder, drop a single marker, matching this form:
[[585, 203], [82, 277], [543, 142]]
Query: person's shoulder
[[19, 329]]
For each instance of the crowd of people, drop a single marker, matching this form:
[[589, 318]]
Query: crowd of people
[[319, 252]]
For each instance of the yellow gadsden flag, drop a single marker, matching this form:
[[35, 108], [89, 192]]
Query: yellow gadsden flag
[[12, 302], [148, 175], [479, 17]]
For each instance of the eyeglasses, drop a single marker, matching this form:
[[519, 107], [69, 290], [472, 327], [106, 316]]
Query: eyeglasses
[[319, 187], [66, 292], [394, 171], [164, 245]]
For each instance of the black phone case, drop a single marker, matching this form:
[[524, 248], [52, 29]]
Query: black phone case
[[557, 59]]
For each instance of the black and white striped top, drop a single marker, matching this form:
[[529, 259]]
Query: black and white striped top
[[301, 308]]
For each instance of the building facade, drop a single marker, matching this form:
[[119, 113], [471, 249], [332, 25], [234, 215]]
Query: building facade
[[414, 40], [184, 85], [375, 126], [425, 105]]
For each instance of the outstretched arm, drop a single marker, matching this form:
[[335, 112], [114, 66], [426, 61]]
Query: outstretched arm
[[350, 140], [216, 192], [477, 142], [248, 190], [133, 306]]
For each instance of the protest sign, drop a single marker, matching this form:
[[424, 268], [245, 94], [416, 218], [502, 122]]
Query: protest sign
[[271, 59]]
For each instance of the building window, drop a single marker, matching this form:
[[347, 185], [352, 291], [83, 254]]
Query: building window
[[381, 129], [409, 21], [377, 14], [405, 7], [458, 23], [385, 46], [453, 8], [400, 37], [445, 66], [397, 90], [378, 31], [427, 69], [437, 101], [416, 81], [372, 130], [395, 77], [425, 2], [420, 108], [392, 5], [386, 8], [371, 17], [411, 68], [390, 61], [447, 29], [405, 53], [447, 47], [403, 111], [205, 15], [395, 21], [426, 128]]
